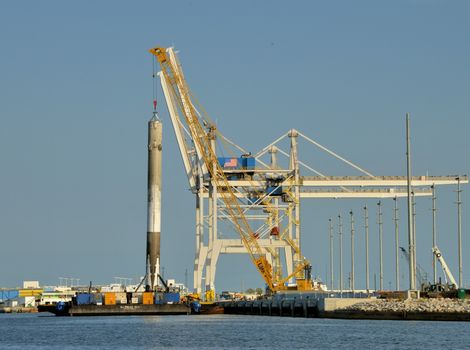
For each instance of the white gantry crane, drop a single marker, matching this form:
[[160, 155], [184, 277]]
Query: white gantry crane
[[256, 189]]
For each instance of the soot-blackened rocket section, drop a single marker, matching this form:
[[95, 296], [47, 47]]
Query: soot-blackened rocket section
[[154, 181]]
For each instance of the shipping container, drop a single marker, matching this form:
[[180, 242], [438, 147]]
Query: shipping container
[[159, 298], [120, 295], [109, 298], [249, 163], [171, 298], [135, 300], [11, 303], [147, 298], [121, 298], [85, 299], [30, 292], [27, 301], [138, 296], [8, 294]]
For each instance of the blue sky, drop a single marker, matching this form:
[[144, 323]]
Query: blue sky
[[76, 93]]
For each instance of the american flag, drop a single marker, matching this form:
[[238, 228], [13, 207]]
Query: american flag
[[232, 162]]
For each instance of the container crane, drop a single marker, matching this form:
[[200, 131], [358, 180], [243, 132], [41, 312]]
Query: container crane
[[202, 134], [447, 273]]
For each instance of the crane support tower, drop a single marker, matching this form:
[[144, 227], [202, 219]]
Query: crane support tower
[[249, 203], [154, 185]]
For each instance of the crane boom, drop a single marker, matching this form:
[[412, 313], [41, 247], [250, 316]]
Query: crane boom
[[183, 146], [421, 275], [176, 84], [447, 273]]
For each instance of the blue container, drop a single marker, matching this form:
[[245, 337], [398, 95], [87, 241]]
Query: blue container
[[9, 294], [249, 163], [159, 299], [171, 297], [85, 299]]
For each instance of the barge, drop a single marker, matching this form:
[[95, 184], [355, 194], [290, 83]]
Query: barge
[[64, 309], [111, 304]]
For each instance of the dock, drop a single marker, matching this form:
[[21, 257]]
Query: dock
[[318, 306]]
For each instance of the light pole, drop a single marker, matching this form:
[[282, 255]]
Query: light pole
[[434, 232], [411, 242], [413, 205], [459, 226], [340, 226], [352, 250], [331, 254], [397, 265], [381, 274], [366, 227]]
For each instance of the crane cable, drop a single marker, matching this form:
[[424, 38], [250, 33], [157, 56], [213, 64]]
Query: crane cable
[[154, 84]]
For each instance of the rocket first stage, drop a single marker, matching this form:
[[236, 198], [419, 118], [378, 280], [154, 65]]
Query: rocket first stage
[[154, 181]]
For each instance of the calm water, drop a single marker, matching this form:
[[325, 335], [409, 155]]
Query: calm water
[[33, 331]]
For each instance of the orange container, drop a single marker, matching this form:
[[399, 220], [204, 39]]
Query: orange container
[[147, 298], [109, 298]]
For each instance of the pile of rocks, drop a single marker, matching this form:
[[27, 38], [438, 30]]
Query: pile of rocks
[[413, 305]]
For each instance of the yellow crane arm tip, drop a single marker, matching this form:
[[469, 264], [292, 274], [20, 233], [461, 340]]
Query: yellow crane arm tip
[[160, 52]]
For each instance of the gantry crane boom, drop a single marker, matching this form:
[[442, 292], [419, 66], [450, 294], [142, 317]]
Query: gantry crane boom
[[175, 82], [445, 268]]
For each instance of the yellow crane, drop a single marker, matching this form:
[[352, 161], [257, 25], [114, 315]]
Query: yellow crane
[[202, 134]]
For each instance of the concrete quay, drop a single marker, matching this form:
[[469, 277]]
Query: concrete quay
[[291, 308], [354, 308]]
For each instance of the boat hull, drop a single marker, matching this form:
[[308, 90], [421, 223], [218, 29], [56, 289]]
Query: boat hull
[[122, 310]]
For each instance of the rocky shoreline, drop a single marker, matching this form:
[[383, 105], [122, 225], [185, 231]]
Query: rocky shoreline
[[437, 305]]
